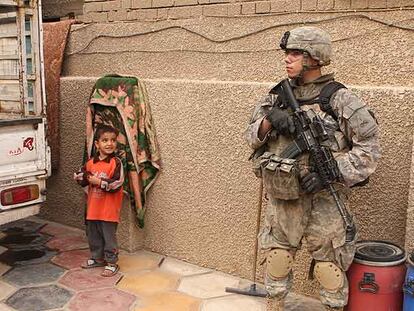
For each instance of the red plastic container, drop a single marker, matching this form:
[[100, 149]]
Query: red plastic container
[[376, 277]]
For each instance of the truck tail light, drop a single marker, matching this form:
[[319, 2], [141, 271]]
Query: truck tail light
[[20, 194]]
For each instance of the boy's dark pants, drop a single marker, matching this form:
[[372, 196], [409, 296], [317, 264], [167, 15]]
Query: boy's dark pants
[[102, 240]]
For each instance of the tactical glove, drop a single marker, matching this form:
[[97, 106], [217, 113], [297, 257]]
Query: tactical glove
[[311, 183], [281, 121]]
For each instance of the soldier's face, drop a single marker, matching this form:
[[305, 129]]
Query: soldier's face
[[293, 63]]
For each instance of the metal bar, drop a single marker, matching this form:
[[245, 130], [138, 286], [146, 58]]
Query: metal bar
[[7, 77], [8, 2], [35, 120], [14, 57], [8, 35], [9, 57], [8, 98], [41, 71], [22, 52]]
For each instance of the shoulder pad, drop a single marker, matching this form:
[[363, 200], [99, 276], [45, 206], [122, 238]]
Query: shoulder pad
[[351, 108], [347, 103]]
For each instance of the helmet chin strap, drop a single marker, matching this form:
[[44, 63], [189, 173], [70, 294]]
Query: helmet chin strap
[[305, 66]]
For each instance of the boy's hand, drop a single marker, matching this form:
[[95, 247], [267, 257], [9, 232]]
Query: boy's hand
[[93, 180], [77, 176]]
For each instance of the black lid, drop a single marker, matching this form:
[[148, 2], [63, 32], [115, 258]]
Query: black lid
[[379, 252]]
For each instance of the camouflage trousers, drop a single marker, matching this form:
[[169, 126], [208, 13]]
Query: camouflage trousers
[[315, 218]]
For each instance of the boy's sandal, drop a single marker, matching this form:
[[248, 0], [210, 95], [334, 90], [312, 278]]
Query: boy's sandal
[[110, 270], [92, 263]]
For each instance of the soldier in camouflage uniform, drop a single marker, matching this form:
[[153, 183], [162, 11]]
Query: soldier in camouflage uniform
[[299, 206]]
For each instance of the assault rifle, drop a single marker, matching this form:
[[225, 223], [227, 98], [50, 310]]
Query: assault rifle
[[310, 133]]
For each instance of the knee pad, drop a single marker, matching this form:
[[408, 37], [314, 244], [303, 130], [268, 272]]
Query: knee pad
[[279, 263], [329, 276]]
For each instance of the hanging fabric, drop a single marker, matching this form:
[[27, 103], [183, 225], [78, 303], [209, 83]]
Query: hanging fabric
[[122, 103]]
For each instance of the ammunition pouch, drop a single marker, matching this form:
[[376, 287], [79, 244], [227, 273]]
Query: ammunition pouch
[[280, 176]]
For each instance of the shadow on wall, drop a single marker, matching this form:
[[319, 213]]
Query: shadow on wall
[[55, 10]]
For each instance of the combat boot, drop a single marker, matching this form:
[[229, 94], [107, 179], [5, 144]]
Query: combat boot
[[273, 304]]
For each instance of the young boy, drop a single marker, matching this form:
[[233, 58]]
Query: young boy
[[103, 174]]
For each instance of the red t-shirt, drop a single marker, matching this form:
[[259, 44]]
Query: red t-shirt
[[105, 202]]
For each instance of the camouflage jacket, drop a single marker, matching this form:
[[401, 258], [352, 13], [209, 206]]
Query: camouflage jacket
[[354, 138]]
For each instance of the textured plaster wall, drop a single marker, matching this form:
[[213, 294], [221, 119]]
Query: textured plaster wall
[[243, 49], [203, 77], [409, 238]]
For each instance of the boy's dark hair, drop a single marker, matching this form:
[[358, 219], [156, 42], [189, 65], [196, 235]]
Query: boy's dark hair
[[102, 129]]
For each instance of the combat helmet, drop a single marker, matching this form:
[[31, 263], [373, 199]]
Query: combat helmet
[[313, 40]]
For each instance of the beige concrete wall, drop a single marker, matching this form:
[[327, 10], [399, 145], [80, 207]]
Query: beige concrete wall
[[203, 77], [244, 49], [409, 237]]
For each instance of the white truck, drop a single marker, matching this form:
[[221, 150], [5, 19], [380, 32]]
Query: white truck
[[24, 152]]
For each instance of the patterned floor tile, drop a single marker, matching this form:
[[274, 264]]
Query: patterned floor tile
[[6, 290], [182, 268], [4, 307], [82, 279], [13, 257], [33, 275], [162, 283], [235, 303], [169, 301], [39, 298], [22, 225], [4, 268], [139, 261], [207, 285], [67, 243], [109, 299], [71, 259], [24, 240], [58, 230], [148, 283], [295, 302]]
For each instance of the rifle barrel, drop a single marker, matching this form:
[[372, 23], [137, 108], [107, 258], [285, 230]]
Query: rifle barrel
[[349, 226]]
